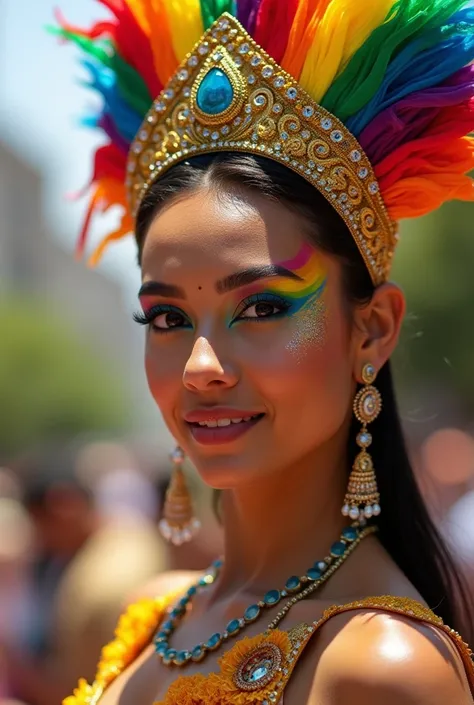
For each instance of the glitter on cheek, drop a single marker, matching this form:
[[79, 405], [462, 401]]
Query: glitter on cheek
[[310, 325]]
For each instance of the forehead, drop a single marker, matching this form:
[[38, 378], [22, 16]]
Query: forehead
[[213, 233]]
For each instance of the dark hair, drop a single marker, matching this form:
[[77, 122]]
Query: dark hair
[[405, 527]]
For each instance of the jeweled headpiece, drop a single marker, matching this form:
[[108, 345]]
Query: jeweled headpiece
[[372, 103]]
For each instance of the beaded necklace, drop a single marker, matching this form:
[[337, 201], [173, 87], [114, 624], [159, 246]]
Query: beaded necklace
[[298, 587]]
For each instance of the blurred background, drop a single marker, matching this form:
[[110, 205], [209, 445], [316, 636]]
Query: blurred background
[[83, 450]]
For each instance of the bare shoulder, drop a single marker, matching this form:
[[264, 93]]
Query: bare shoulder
[[165, 583], [369, 657]]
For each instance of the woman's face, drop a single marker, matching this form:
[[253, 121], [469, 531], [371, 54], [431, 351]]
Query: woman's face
[[248, 351]]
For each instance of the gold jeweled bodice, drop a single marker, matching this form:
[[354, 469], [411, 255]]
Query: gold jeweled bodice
[[255, 669]]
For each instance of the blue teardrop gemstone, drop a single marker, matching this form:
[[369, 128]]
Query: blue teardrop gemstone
[[313, 574], [338, 549], [251, 613], [233, 626], [293, 583], [350, 534], [197, 652], [215, 94], [272, 597]]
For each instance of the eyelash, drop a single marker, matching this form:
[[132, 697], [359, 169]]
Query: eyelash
[[146, 318]]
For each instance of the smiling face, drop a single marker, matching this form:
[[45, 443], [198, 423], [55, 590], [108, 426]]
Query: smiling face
[[248, 351]]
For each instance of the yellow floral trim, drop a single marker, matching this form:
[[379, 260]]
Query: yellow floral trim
[[134, 631], [220, 688]]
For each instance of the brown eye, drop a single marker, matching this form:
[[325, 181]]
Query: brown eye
[[172, 319]]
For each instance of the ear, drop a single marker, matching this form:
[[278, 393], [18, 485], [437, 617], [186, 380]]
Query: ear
[[377, 328]]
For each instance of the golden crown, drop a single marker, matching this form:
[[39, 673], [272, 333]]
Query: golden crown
[[229, 95]]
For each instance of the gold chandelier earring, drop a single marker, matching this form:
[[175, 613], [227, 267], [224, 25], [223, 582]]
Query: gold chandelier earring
[[178, 525], [362, 499]]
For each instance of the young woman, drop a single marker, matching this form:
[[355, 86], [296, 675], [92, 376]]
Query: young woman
[[272, 148]]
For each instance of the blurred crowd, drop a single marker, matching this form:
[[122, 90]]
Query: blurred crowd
[[79, 539]]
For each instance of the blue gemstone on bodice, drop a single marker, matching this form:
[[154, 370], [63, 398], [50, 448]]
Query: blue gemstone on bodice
[[259, 673], [182, 657], [161, 648], [214, 641], [215, 94]]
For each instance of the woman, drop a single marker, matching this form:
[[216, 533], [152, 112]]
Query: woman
[[264, 186]]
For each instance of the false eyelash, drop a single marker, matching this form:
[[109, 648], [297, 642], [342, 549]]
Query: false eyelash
[[143, 319]]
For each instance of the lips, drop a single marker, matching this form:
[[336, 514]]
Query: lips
[[218, 426]]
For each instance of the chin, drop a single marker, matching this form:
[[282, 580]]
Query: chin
[[229, 471]]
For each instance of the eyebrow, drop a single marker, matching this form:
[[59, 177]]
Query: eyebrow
[[233, 281], [249, 276]]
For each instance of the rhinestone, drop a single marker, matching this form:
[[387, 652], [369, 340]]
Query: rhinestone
[[343, 197], [308, 111], [355, 155], [306, 134], [230, 47], [353, 191], [293, 126], [277, 147], [137, 148], [248, 108], [277, 108], [326, 123], [223, 24], [182, 75], [206, 132], [284, 136], [217, 56], [267, 71], [160, 106], [363, 173], [143, 134], [251, 79], [244, 48], [203, 49], [373, 188], [254, 137], [215, 135], [279, 82], [169, 93], [224, 39], [255, 60], [193, 61], [238, 62], [337, 136], [131, 167], [225, 130], [259, 100], [321, 149], [292, 93], [237, 121]]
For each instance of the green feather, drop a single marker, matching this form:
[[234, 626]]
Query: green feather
[[211, 10], [365, 72], [131, 85]]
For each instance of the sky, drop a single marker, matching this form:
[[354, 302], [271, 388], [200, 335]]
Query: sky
[[41, 101]]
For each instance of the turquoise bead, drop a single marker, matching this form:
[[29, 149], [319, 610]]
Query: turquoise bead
[[233, 626], [177, 612], [215, 94], [313, 574], [198, 652], [192, 591], [169, 656], [350, 534], [182, 657], [214, 641], [167, 627], [161, 648], [338, 549], [272, 597], [293, 583], [251, 613]]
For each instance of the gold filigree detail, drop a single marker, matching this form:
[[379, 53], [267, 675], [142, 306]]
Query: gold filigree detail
[[269, 115]]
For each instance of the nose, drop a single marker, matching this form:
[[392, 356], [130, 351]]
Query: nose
[[204, 370]]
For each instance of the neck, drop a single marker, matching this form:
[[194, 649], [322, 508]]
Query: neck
[[280, 526]]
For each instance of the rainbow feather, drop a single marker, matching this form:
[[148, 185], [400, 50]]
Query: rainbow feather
[[398, 73]]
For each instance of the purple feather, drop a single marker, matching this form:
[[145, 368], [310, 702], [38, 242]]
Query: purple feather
[[107, 125], [247, 13], [408, 119]]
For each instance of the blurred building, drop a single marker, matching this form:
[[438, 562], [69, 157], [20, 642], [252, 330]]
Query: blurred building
[[33, 263]]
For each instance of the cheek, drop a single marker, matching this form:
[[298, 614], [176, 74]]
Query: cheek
[[164, 373]]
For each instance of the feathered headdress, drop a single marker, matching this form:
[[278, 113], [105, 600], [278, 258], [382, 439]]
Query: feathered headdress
[[372, 102]]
